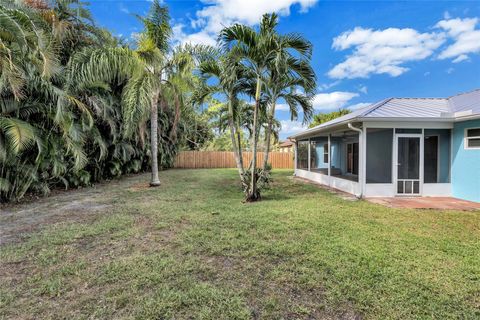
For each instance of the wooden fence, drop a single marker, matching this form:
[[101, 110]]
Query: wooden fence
[[225, 159]]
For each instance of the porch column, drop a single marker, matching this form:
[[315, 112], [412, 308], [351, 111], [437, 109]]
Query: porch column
[[362, 168], [329, 155], [309, 155], [295, 147]]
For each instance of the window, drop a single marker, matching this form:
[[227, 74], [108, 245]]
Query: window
[[472, 138], [325, 153], [352, 158]]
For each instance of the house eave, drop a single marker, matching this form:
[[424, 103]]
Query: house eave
[[315, 130], [466, 118]]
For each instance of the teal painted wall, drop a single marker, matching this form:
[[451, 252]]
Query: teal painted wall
[[465, 164]]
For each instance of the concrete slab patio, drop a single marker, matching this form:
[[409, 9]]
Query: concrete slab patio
[[445, 203]]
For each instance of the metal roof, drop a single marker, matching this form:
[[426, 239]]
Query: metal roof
[[466, 101], [448, 109], [410, 108]]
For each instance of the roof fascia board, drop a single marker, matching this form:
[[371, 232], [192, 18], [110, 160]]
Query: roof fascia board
[[409, 124]]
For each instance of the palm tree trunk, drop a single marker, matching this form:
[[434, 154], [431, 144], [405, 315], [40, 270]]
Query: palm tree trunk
[[236, 148], [176, 120], [155, 182], [239, 144], [268, 136], [253, 192]]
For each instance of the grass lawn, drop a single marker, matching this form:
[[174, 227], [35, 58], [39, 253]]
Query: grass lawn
[[191, 249]]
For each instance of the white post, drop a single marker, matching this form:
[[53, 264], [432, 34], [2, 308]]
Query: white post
[[329, 155], [296, 158], [309, 154], [362, 170]]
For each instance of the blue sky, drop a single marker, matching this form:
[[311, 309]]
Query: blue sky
[[364, 51]]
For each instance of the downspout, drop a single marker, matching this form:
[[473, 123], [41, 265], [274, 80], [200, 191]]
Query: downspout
[[360, 140]]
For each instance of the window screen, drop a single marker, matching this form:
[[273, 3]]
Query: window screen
[[302, 155], [379, 155], [437, 156]]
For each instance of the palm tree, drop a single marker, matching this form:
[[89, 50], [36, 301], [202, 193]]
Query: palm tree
[[259, 51], [155, 75], [35, 107], [292, 80], [75, 103], [231, 80], [152, 51]]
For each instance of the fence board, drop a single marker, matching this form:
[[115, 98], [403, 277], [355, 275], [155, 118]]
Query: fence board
[[225, 159]]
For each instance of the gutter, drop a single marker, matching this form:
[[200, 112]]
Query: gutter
[[360, 135]]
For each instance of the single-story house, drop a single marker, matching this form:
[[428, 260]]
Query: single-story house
[[286, 146], [398, 147]]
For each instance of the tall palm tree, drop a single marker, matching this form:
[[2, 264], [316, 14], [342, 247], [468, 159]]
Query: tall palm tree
[[293, 80], [259, 51], [152, 51], [155, 75], [231, 79]]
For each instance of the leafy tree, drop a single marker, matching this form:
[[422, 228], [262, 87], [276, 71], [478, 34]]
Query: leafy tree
[[230, 80], [70, 111], [265, 53], [324, 117]]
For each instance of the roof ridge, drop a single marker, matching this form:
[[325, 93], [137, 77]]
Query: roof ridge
[[375, 107], [462, 93]]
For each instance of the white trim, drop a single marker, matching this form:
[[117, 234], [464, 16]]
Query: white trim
[[420, 136], [379, 190], [363, 157], [410, 125], [437, 190], [309, 155], [329, 155], [296, 157], [466, 138], [345, 185]]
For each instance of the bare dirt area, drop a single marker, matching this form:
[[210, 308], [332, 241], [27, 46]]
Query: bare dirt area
[[19, 220]]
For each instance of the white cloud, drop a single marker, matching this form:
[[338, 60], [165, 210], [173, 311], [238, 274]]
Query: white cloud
[[460, 58], [124, 9], [201, 37], [334, 100], [326, 86], [326, 102], [382, 51], [450, 70], [465, 35], [363, 89], [291, 127], [282, 107], [217, 14], [357, 106]]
